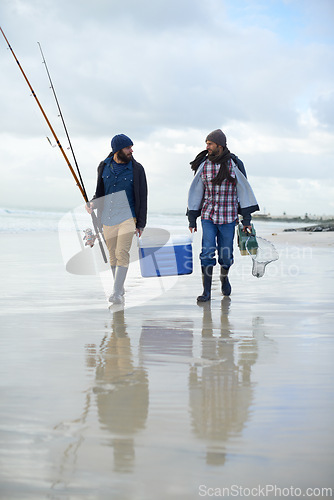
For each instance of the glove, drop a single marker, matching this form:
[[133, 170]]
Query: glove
[[192, 216]]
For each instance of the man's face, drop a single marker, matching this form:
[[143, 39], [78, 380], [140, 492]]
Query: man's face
[[125, 154], [213, 148]]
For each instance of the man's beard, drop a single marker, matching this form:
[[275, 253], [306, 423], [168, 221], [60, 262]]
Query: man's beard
[[124, 158], [215, 151]]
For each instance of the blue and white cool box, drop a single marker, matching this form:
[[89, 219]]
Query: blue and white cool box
[[169, 258]]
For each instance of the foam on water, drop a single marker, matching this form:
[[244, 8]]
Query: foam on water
[[19, 220], [16, 220]]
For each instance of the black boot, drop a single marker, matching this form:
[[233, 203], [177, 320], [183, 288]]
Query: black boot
[[207, 282], [226, 285]]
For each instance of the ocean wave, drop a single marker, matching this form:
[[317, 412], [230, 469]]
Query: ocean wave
[[16, 220]]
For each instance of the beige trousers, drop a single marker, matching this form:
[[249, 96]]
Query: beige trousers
[[118, 239]]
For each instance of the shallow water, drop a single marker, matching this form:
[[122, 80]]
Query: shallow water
[[166, 399]]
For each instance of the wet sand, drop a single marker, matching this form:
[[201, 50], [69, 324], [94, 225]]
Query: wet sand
[[164, 398]]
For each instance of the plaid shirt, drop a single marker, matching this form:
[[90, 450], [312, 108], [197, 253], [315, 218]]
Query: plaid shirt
[[220, 203]]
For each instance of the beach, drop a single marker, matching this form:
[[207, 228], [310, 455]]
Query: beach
[[165, 398]]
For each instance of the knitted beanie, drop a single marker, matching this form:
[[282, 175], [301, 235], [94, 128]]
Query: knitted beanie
[[119, 142], [218, 137]]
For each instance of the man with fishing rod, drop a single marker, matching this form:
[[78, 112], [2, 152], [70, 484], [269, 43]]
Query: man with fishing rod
[[121, 203], [120, 197]]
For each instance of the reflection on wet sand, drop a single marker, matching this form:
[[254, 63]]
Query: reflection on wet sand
[[217, 376], [159, 340], [221, 391], [121, 393]]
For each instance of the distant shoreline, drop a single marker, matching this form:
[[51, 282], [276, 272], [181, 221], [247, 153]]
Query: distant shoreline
[[320, 224], [258, 216], [295, 218]]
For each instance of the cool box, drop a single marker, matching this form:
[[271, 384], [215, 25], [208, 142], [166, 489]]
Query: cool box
[[168, 258]]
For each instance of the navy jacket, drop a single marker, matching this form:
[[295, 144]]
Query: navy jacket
[[140, 192]]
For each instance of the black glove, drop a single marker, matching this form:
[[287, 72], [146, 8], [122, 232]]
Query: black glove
[[192, 216]]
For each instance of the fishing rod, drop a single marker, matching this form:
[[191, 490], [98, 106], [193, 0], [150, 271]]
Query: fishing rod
[[79, 183], [63, 121], [89, 237]]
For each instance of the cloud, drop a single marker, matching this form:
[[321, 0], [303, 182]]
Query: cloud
[[167, 74], [323, 109], [294, 196]]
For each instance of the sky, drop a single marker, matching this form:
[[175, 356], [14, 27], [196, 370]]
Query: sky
[[166, 73]]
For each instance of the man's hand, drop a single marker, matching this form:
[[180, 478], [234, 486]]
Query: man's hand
[[193, 229], [89, 207], [139, 231], [247, 229]]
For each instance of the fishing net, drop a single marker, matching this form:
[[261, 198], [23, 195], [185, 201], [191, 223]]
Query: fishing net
[[262, 252]]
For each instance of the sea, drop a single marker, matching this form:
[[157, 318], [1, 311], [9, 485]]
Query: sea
[[19, 220]]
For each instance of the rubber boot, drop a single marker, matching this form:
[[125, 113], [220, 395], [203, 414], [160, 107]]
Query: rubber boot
[[226, 285], [207, 282], [113, 270], [120, 275]]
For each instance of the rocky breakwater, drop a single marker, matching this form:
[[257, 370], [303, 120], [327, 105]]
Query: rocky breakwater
[[315, 228]]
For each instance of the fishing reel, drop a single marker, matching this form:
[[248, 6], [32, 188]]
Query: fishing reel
[[90, 237]]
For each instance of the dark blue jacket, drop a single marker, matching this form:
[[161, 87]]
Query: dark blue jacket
[[139, 187]]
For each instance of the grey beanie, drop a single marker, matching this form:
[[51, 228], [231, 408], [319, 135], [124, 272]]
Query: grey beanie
[[218, 137]]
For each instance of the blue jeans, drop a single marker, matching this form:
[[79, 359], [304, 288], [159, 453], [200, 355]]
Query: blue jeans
[[217, 237]]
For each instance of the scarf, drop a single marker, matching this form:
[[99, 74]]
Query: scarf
[[222, 159]]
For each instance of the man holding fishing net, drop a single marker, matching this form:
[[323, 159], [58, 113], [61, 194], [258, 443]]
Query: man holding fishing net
[[219, 192], [121, 202]]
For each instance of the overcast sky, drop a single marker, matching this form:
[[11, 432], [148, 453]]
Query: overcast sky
[[167, 73]]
